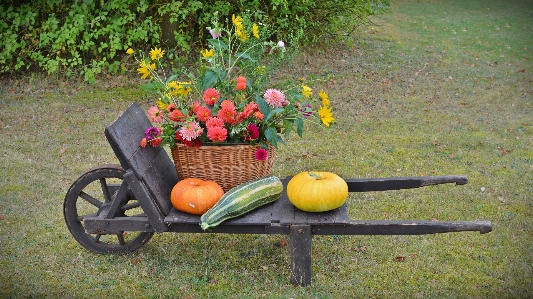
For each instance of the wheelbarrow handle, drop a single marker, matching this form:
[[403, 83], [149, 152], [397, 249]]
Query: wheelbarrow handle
[[397, 183]]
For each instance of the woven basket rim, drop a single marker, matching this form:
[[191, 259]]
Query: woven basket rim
[[215, 145]]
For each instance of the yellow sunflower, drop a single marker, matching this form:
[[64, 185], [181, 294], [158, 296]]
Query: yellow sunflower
[[157, 53], [325, 115], [145, 69], [179, 88], [306, 91], [324, 97], [208, 53]]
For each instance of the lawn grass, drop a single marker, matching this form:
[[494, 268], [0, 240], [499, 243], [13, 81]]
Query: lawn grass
[[434, 88]]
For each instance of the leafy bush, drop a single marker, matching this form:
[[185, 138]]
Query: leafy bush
[[88, 37]]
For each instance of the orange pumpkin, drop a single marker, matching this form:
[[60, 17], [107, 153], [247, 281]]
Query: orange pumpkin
[[195, 196]]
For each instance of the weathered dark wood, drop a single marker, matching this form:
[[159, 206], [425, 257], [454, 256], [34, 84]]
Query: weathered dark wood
[[300, 248], [283, 210], [270, 214], [159, 178], [221, 229], [405, 227], [120, 198], [151, 165], [384, 184], [96, 225], [155, 216], [125, 133]]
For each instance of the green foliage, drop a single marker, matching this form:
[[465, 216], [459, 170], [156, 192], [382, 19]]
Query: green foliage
[[89, 37]]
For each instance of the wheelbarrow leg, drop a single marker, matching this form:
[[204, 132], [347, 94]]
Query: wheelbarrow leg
[[300, 246]]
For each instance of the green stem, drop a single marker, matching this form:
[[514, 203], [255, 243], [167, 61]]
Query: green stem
[[316, 176]]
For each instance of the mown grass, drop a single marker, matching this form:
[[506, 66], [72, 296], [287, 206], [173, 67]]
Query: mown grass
[[438, 88]]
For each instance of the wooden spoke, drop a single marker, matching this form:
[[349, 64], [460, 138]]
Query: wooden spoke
[[130, 206], [105, 190], [121, 239], [95, 202]]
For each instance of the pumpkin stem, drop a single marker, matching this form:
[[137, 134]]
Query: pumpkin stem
[[315, 176]]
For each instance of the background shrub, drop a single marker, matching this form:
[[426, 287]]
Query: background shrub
[[89, 37]]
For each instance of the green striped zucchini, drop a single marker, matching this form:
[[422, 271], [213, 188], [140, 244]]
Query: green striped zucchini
[[242, 199]]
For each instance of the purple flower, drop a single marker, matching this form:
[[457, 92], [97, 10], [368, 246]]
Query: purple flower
[[152, 133], [307, 110]]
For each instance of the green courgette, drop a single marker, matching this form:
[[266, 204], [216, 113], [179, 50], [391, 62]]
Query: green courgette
[[242, 199]]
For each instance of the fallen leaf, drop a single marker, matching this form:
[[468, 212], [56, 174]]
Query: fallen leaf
[[433, 219], [136, 261], [363, 249], [419, 295], [62, 150], [400, 258], [281, 243], [2, 217], [522, 71], [264, 268]]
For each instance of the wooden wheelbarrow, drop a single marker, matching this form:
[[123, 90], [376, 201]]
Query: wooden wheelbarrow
[[117, 208]]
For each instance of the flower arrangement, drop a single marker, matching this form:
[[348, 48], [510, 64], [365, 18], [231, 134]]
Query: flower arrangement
[[225, 100]]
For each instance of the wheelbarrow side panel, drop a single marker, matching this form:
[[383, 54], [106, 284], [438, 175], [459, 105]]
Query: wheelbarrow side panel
[[152, 167]]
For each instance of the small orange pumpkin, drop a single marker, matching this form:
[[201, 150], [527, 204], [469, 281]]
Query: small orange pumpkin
[[195, 196]]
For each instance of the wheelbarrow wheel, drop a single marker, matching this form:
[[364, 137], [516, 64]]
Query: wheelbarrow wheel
[[86, 197]]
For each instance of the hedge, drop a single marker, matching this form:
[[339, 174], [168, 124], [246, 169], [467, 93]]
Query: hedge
[[88, 37]]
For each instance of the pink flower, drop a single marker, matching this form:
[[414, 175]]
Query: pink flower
[[202, 113], [275, 98], [215, 34], [228, 114], [217, 134], [261, 154], [214, 122], [227, 104], [191, 131], [241, 85], [253, 132], [176, 115], [211, 96], [155, 114]]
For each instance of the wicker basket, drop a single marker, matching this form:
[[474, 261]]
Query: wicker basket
[[228, 165]]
